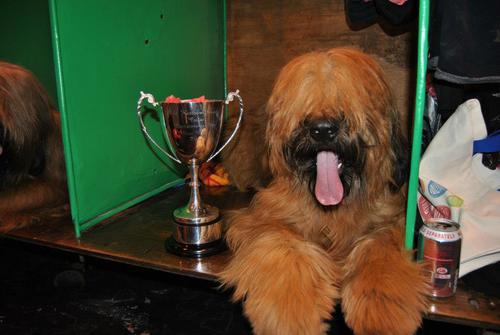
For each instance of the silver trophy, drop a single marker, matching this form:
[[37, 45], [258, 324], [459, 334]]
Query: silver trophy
[[192, 131]]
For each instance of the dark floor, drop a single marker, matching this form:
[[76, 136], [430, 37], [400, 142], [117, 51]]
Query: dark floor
[[46, 291]]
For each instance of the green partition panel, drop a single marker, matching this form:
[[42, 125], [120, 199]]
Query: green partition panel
[[105, 53]]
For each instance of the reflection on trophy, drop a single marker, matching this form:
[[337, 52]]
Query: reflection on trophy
[[192, 129]]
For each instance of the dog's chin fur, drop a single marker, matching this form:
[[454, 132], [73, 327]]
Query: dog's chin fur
[[32, 172], [293, 258]]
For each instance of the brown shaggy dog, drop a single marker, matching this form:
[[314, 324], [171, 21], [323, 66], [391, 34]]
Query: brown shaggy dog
[[32, 172], [329, 226]]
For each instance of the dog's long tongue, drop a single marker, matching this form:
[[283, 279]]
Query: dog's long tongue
[[329, 190]]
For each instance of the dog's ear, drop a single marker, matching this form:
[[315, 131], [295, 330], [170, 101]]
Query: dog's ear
[[400, 156]]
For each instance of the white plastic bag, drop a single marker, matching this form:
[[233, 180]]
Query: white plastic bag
[[455, 184]]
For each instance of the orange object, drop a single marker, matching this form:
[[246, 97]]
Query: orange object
[[212, 174], [200, 99], [175, 100], [171, 99]]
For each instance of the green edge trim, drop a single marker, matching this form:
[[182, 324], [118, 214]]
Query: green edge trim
[[64, 116], [224, 39], [224, 52], [411, 209]]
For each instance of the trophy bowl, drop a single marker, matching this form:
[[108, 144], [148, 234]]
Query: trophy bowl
[[192, 130]]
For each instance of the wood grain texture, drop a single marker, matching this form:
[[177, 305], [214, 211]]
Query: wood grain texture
[[264, 35], [467, 307], [136, 236]]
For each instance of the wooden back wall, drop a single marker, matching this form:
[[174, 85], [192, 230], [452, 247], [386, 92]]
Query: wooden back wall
[[263, 35]]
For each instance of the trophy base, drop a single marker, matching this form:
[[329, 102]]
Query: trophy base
[[194, 250], [196, 240]]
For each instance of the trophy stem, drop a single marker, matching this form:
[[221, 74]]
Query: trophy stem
[[195, 211], [195, 204]]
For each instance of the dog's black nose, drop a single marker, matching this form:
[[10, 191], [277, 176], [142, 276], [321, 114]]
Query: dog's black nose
[[322, 131]]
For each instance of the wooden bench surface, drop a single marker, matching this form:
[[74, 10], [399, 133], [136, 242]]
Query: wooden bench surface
[[137, 237]]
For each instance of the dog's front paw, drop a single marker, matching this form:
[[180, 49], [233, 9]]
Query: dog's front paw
[[285, 314], [287, 289], [389, 306]]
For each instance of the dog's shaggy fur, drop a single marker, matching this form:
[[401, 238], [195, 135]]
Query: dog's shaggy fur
[[32, 172], [306, 242]]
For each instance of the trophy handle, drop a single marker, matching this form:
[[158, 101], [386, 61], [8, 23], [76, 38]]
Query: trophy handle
[[153, 102], [230, 98]]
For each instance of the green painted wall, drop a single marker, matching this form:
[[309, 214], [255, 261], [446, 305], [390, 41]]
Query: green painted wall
[[25, 39]]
